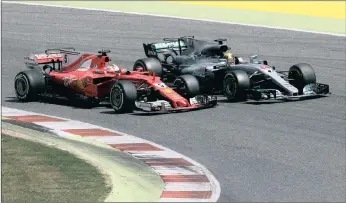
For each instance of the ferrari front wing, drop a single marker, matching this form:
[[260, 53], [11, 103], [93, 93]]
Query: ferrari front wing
[[198, 102]]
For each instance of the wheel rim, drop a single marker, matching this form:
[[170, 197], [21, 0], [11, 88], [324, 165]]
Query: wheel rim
[[22, 87], [230, 87], [117, 98]]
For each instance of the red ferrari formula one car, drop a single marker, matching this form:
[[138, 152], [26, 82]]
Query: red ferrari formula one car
[[91, 78]]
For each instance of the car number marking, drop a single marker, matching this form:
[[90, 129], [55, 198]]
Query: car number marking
[[160, 85]]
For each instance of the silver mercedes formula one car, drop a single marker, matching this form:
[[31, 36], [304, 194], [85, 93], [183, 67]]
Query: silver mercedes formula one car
[[219, 72], [256, 80]]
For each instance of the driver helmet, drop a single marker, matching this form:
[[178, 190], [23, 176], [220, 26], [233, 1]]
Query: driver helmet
[[113, 67], [229, 57]]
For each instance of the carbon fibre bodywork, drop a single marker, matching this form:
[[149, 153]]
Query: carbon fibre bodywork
[[210, 64]]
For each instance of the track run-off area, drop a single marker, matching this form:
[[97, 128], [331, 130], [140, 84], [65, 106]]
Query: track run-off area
[[291, 151]]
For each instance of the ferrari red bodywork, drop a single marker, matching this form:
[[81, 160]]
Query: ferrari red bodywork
[[93, 76]]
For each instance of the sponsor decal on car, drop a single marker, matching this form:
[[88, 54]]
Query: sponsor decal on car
[[68, 80], [44, 56], [165, 45], [74, 82], [88, 80], [151, 52], [160, 85]]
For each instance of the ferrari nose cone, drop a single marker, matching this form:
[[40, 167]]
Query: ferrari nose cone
[[182, 104]]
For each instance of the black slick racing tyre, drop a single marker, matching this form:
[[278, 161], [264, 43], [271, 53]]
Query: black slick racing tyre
[[300, 75], [190, 84], [123, 96], [29, 84], [235, 84], [149, 64]]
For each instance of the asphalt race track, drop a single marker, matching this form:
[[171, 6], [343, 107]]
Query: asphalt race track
[[269, 152]]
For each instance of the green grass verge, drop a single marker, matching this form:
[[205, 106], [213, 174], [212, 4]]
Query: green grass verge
[[309, 23], [132, 180], [32, 172]]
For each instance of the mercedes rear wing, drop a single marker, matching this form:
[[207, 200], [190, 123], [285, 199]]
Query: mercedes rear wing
[[170, 39], [152, 49], [176, 44]]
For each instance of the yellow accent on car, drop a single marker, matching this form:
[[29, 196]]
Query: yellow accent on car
[[228, 55], [167, 90]]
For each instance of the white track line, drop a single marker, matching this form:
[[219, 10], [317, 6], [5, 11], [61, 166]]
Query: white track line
[[177, 17], [153, 154], [116, 139], [182, 200], [188, 186], [70, 124], [174, 184], [174, 170]]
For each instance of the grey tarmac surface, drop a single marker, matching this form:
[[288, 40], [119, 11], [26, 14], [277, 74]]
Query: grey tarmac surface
[[270, 152]]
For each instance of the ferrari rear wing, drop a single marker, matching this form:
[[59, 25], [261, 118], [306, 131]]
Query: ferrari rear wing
[[36, 59], [67, 50], [55, 55]]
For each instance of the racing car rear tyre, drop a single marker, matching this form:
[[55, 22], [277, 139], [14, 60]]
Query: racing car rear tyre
[[123, 96], [235, 84], [302, 74], [191, 85], [149, 64], [28, 84]]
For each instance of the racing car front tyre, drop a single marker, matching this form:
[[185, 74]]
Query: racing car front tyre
[[123, 96], [29, 84], [235, 84], [190, 84], [149, 64], [300, 75]]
